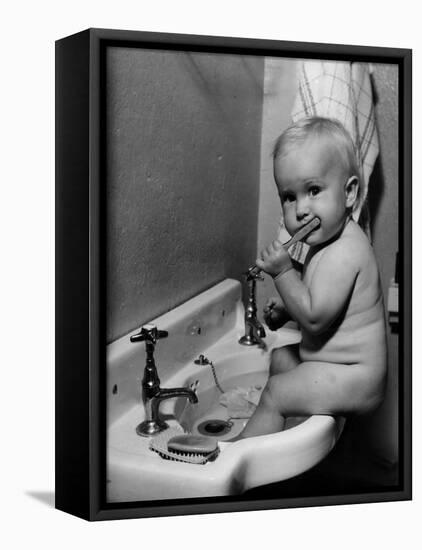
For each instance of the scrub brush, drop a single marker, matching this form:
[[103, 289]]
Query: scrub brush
[[172, 444]]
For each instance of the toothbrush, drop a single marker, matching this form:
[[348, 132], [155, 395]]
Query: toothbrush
[[298, 236]]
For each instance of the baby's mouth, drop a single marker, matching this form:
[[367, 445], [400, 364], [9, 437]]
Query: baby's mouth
[[313, 230]]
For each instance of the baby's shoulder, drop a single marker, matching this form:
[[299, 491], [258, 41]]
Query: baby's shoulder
[[352, 248], [353, 240]]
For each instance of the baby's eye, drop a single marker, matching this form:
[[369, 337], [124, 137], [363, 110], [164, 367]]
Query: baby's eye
[[314, 190]]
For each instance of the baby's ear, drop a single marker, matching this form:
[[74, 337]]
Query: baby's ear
[[351, 190]]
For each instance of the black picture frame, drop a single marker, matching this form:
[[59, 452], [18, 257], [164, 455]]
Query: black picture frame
[[80, 285]]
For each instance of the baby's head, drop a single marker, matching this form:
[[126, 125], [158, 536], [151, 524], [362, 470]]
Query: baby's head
[[317, 174]]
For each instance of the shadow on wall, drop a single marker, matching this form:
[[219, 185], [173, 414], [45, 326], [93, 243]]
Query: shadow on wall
[[376, 182], [375, 193]]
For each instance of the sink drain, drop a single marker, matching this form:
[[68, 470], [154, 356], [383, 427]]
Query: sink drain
[[214, 427]]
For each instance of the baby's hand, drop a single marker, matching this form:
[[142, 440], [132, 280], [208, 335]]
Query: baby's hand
[[274, 259], [275, 314]]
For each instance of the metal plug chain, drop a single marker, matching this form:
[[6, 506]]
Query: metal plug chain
[[202, 360], [217, 383]]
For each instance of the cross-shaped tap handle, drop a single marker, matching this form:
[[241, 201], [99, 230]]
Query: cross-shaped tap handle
[[149, 333]]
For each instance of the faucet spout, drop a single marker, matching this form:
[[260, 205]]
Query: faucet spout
[[254, 333], [154, 422], [168, 393], [257, 327], [258, 332]]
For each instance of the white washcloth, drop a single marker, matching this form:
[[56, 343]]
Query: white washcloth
[[241, 402], [343, 91]]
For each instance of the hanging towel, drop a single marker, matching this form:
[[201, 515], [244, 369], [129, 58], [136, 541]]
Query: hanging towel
[[343, 91]]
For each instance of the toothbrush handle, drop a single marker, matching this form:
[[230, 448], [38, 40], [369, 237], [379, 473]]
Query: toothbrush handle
[[301, 234]]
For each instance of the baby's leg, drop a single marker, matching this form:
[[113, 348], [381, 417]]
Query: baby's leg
[[311, 388], [284, 359]]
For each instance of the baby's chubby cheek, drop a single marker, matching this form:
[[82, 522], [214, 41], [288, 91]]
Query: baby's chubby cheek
[[291, 223]]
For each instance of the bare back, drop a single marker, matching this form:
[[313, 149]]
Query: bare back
[[357, 335]]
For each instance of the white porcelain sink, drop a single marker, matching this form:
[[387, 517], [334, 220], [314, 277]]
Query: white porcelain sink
[[209, 324]]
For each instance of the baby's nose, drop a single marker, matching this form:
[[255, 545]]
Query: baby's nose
[[302, 208]]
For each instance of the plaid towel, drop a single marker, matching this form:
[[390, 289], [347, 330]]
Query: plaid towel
[[343, 91]]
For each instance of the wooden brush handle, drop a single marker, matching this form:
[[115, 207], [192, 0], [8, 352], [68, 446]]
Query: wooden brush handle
[[301, 234]]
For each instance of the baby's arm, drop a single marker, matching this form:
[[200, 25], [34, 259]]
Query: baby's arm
[[315, 308]]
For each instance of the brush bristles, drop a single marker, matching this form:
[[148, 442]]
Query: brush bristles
[[158, 444]]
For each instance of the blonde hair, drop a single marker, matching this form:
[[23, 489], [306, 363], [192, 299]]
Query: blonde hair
[[317, 126]]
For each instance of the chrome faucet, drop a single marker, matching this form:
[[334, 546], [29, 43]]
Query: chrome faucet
[[152, 393], [254, 331]]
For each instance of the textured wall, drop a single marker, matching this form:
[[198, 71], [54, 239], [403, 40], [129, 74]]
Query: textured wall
[[183, 154]]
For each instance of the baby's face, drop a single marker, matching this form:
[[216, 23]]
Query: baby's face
[[311, 181]]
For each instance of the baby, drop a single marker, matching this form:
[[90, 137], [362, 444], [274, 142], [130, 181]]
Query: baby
[[339, 367]]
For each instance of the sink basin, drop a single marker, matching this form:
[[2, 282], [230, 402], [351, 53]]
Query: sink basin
[[209, 324], [244, 372]]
